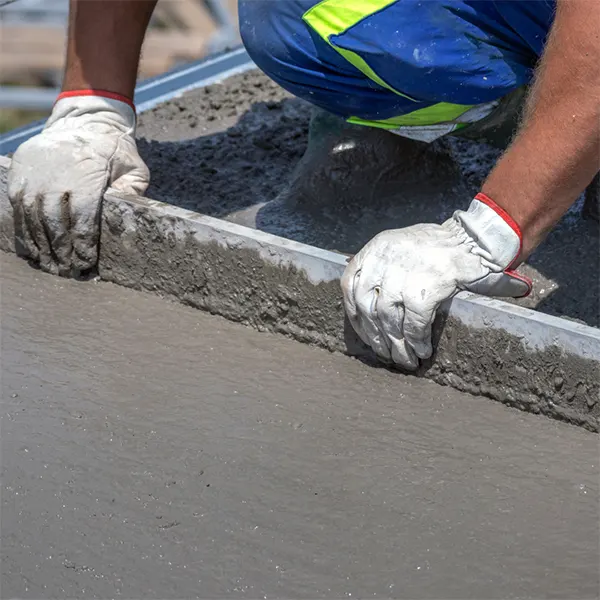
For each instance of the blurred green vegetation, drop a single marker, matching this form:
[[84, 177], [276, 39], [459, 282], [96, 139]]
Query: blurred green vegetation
[[14, 117]]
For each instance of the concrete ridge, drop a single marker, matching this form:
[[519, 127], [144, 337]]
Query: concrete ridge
[[535, 329]]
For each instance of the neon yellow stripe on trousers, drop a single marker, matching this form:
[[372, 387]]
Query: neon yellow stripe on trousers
[[442, 112], [333, 17]]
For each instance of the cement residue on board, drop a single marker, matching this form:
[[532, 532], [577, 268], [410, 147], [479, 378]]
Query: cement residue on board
[[229, 151], [140, 249]]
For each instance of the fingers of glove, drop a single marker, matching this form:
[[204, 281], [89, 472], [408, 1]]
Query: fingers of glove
[[422, 297], [348, 283], [359, 320], [22, 231], [391, 314], [403, 354], [85, 217], [56, 215], [366, 308], [371, 338], [34, 220], [417, 332], [519, 286]]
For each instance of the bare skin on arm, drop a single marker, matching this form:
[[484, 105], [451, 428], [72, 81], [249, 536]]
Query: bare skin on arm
[[394, 286], [104, 44], [557, 151], [57, 178]]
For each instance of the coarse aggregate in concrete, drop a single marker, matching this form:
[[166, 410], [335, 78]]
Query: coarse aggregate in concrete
[[229, 151]]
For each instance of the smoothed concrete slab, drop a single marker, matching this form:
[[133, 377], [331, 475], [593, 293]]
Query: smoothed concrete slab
[[157, 451], [526, 359]]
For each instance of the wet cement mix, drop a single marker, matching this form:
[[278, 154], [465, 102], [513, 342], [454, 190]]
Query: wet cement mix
[[150, 450], [229, 151]]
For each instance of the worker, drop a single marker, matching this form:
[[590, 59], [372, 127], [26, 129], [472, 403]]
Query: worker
[[421, 69]]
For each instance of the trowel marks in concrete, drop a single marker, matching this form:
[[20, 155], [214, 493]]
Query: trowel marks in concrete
[[229, 150], [154, 451]]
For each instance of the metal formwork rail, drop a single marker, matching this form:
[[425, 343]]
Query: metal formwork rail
[[158, 89]]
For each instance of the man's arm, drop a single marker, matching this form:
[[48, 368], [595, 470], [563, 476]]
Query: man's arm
[[57, 179], [393, 287], [557, 151], [104, 44]]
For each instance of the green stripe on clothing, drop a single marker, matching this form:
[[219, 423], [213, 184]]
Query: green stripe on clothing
[[334, 17], [442, 112]]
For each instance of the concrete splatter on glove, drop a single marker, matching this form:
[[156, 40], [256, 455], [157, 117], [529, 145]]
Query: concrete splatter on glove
[[393, 287], [58, 178]]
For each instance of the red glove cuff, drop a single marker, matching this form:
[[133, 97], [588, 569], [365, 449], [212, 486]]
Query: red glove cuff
[[515, 227], [506, 217], [101, 93]]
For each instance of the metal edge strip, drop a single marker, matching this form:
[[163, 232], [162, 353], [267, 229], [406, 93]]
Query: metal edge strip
[[534, 329], [155, 90]]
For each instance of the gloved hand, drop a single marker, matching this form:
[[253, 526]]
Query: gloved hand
[[393, 287], [58, 178]]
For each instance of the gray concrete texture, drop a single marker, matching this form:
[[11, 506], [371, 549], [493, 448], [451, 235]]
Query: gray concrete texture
[[525, 359], [229, 151], [487, 347], [546, 366], [155, 451]]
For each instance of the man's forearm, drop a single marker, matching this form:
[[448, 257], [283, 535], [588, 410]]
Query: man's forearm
[[557, 151], [104, 44]]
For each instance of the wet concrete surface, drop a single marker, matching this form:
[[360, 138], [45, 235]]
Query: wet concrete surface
[[229, 151], [486, 349], [153, 451]]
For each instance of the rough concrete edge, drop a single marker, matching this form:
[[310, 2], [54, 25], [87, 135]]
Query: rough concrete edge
[[536, 330], [529, 360], [134, 225], [6, 222], [318, 265]]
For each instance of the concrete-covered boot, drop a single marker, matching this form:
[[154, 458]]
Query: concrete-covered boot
[[351, 165]]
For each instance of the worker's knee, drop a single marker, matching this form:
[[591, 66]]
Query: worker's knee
[[377, 70], [264, 28], [292, 54]]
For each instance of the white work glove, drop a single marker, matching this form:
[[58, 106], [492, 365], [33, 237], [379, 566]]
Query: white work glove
[[393, 287], [58, 178]]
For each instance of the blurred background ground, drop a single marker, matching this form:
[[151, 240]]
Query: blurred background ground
[[32, 48]]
